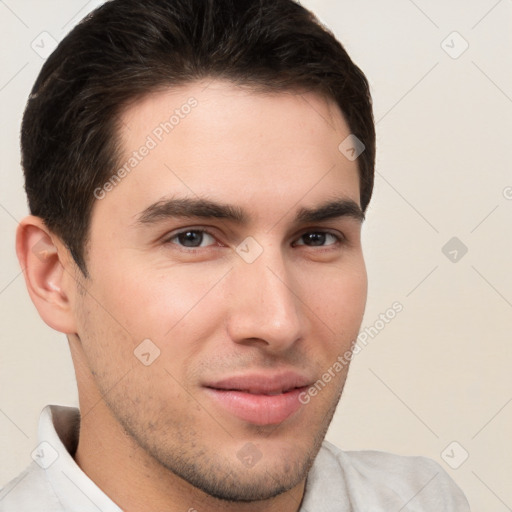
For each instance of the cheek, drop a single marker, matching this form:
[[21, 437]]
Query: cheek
[[160, 302], [339, 297], [107, 347], [115, 354]]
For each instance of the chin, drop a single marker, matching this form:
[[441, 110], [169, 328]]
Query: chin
[[236, 483]]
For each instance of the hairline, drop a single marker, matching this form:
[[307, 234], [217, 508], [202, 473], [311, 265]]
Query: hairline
[[251, 85]]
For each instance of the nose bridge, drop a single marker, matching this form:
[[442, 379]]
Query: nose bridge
[[265, 304]]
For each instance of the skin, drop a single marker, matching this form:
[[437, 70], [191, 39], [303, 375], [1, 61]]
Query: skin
[[152, 438]]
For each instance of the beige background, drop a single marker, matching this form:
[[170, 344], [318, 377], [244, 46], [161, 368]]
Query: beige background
[[439, 372]]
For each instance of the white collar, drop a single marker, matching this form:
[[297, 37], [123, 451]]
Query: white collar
[[58, 438]]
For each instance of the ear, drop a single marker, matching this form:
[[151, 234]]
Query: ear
[[49, 273]]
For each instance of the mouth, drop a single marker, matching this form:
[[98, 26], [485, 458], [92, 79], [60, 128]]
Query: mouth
[[260, 399]]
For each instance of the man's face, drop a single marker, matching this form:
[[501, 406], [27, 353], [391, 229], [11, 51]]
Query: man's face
[[248, 302]]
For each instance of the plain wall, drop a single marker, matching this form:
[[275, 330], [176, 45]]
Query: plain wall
[[439, 371]]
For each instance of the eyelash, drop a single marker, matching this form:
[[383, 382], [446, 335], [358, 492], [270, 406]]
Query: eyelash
[[339, 239]]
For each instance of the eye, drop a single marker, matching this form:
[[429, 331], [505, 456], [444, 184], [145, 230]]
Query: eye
[[318, 239], [192, 238]]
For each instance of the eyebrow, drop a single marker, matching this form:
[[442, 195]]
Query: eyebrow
[[207, 209]]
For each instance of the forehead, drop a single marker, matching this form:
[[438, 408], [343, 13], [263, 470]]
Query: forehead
[[260, 150]]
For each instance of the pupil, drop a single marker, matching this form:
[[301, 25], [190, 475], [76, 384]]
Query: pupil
[[316, 238], [191, 238]]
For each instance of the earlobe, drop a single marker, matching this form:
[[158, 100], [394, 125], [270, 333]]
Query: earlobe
[[45, 264]]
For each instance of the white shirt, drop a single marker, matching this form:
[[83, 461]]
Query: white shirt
[[358, 481]]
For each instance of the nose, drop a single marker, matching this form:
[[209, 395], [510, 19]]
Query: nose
[[266, 304]]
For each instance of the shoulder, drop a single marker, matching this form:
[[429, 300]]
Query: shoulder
[[380, 479], [30, 491]]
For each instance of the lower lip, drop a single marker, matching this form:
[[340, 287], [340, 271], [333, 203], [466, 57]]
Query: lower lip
[[259, 409]]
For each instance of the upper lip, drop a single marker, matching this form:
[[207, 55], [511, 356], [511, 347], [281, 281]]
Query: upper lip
[[261, 383]]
